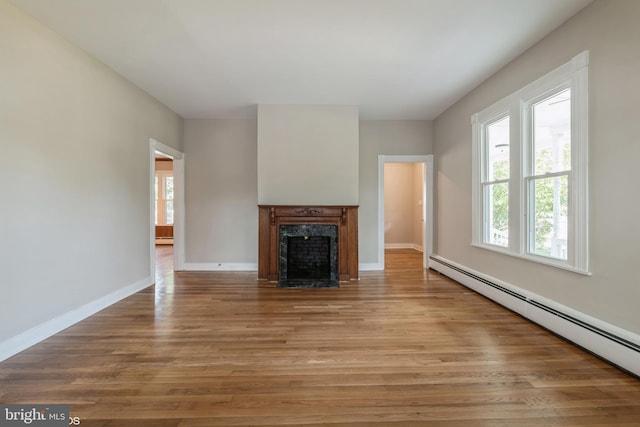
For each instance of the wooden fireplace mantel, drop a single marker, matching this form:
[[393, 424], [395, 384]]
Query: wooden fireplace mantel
[[271, 217]]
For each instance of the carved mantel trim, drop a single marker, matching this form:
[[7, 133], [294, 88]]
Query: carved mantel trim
[[270, 217]]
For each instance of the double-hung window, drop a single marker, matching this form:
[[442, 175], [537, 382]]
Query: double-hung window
[[530, 170]]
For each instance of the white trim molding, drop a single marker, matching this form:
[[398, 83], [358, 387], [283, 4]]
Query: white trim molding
[[371, 266], [220, 266], [427, 235], [616, 345], [403, 246], [33, 336]]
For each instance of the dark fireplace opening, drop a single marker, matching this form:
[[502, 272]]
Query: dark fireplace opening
[[308, 256]]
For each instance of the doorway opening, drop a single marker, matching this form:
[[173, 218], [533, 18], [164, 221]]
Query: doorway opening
[[166, 188], [164, 199], [403, 215], [405, 222]]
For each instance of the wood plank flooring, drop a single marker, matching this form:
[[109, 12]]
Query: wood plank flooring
[[404, 347]]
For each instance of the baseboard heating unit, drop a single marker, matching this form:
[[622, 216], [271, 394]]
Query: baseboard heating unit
[[616, 345]]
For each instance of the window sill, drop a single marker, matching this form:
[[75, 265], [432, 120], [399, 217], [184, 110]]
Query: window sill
[[534, 258]]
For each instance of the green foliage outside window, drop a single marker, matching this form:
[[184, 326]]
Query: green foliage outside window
[[550, 194], [500, 199], [551, 200]]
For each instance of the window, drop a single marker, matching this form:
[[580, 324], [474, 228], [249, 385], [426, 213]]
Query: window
[[547, 177], [530, 170], [495, 184], [164, 197]]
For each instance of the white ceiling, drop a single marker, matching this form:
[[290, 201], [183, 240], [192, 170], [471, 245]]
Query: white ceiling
[[395, 59]]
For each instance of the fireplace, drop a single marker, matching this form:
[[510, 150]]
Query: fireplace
[[308, 243], [308, 255]]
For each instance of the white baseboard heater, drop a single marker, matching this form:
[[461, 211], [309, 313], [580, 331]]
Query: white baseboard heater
[[615, 345]]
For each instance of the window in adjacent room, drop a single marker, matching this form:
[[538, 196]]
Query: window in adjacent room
[[164, 197]]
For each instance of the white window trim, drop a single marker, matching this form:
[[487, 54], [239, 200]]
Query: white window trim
[[573, 75]]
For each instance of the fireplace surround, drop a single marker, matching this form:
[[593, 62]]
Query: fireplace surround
[[278, 223], [308, 256]]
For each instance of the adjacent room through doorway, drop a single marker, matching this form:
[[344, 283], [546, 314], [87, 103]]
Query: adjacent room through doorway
[[404, 213], [405, 186], [166, 215]]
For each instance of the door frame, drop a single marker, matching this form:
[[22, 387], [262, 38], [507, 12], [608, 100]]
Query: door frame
[[427, 205], [178, 202]]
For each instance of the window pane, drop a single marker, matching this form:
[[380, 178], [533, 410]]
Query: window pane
[[168, 189], [552, 134], [550, 201], [169, 206], [497, 202], [497, 149]]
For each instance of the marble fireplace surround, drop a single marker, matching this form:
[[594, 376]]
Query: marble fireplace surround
[[308, 256], [272, 217]]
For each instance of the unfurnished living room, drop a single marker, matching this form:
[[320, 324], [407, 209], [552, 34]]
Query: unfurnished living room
[[319, 212]]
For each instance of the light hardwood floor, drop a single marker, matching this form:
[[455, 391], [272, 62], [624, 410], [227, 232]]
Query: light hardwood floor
[[400, 347]]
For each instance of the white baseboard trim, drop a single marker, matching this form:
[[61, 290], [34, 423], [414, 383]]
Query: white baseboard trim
[[372, 266], [619, 346], [220, 266], [30, 337], [403, 246]]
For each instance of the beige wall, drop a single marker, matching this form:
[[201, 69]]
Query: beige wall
[[75, 151], [164, 165], [307, 155], [402, 208], [610, 31], [384, 137], [221, 193], [398, 195], [222, 184]]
